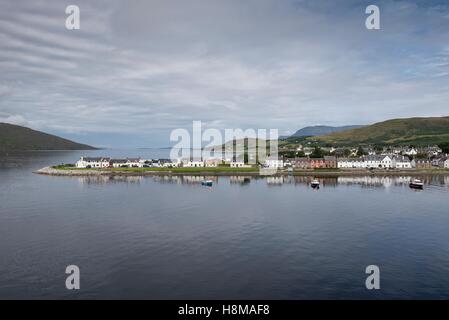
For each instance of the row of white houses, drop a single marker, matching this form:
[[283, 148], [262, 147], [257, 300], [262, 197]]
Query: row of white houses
[[367, 162], [105, 162], [374, 161]]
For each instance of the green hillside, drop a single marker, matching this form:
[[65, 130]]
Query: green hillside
[[411, 131], [14, 137]]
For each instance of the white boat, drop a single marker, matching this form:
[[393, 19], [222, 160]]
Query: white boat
[[207, 183], [315, 183], [416, 184]]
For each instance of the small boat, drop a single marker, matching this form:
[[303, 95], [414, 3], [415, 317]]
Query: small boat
[[315, 183], [207, 183], [416, 184]]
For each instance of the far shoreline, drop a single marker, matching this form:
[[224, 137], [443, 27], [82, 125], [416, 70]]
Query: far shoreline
[[256, 173]]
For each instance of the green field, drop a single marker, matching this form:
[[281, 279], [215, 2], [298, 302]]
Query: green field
[[174, 170]]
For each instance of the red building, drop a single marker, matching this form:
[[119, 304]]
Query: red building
[[330, 161], [317, 163]]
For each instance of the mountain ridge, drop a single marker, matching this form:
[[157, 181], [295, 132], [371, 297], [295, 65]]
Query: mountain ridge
[[400, 131], [320, 130], [14, 137]]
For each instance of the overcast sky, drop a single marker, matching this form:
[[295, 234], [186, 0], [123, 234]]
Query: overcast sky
[[138, 69]]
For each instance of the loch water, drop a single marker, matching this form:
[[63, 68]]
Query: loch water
[[168, 237]]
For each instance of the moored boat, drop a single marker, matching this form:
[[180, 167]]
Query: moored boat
[[315, 183], [207, 183], [416, 184]]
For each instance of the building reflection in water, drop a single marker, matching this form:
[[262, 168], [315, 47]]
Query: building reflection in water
[[299, 180], [239, 180], [94, 180], [187, 180], [364, 181], [367, 181], [197, 179], [275, 181]]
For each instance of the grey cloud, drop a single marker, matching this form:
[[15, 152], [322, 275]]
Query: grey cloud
[[150, 66]]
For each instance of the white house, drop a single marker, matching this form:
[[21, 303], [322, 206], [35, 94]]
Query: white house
[[212, 162], [308, 151], [237, 164], [92, 162], [359, 163], [145, 162], [118, 163], [411, 152], [372, 162], [166, 163], [350, 163], [274, 162], [438, 162], [386, 162], [344, 163], [193, 164], [176, 163], [401, 162], [133, 162], [446, 163]]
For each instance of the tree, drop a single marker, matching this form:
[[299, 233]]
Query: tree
[[378, 148], [300, 154], [287, 154], [422, 156], [360, 152], [317, 153], [444, 147], [346, 152]]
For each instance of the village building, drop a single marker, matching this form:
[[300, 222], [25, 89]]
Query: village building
[[274, 162], [237, 164], [423, 163], [411, 152], [372, 162], [212, 162], [167, 163], [401, 162], [92, 162], [351, 163], [386, 162], [317, 163], [301, 163], [446, 163], [118, 163], [438, 162], [145, 163], [433, 150], [330, 161], [308, 151], [193, 163], [133, 162], [344, 163]]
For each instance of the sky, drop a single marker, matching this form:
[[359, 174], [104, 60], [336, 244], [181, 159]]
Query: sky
[[136, 70]]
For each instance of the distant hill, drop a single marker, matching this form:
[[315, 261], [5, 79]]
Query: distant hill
[[321, 130], [410, 131], [14, 137]]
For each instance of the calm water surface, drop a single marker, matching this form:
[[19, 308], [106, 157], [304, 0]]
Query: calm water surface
[[169, 237]]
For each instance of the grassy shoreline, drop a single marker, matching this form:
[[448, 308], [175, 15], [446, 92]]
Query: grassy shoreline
[[227, 171]]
